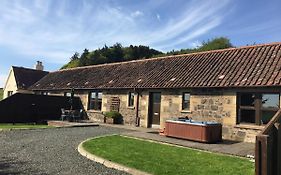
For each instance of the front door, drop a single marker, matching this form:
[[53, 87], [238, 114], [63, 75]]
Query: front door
[[154, 108]]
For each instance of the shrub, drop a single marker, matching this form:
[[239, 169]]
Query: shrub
[[117, 117]]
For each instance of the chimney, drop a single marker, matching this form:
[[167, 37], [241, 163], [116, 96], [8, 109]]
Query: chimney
[[39, 66]]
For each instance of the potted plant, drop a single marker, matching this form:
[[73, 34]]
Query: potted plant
[[113, 117]]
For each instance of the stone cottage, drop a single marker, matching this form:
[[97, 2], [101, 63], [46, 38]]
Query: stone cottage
[[238, 87]]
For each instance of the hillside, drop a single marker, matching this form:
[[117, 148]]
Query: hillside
[[118, 53]]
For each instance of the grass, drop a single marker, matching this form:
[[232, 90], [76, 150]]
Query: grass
[[161, 159], [22, 126]]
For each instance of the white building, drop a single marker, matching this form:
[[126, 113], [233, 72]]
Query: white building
[[20, 78]]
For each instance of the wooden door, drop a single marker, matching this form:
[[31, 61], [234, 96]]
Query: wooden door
[[154, 108]]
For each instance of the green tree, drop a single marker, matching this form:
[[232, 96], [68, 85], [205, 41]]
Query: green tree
[[217, 43], [84, 59], [214, 44], [75, 56], [118, 53]]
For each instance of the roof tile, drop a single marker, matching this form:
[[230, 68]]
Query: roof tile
[[257, 65]]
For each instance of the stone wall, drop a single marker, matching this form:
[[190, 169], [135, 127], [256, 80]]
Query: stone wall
[[215, 106], [244, 133], [128, 113], [143, 108], [171, 106], [219, 106]]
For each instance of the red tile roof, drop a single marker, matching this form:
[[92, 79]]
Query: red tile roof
[[249, 66], [26, 77]]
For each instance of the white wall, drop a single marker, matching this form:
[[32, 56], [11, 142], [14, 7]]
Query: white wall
[[10, 85]]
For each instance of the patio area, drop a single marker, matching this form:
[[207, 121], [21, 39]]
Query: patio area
[[242, 149]]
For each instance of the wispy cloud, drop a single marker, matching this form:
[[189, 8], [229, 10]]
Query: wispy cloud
[[55, 29], [137, 14], [190, 24], [195, 44], [158, 17]]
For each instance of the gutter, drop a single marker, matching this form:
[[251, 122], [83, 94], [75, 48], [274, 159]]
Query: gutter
[[137, 124]]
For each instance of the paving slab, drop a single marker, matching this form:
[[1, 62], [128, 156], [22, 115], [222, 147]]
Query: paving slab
[[241, 149], [59, 123]]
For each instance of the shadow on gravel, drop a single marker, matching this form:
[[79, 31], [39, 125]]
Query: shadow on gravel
[[8, 166]]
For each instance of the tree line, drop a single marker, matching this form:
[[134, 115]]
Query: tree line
[[118, 53]]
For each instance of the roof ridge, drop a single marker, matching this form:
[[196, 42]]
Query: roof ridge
[[171, 56], [20, 67]]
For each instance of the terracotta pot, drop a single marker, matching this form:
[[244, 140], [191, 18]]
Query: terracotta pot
[[109, 120]]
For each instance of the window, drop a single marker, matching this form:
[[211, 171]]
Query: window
[[186, 101], [10, 93], [95, 101], [247, 108], [67, 94], [131, 99], [270, 105], [257, 108]]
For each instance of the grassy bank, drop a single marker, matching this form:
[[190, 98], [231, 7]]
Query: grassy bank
[[159, 159], [22, 126]]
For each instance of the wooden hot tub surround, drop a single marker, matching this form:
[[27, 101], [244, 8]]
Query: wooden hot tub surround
[[209, 132]]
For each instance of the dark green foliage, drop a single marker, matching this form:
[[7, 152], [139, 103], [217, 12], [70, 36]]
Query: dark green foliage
[[113, 114], [84, 59], [214, 44], [115, 53], [75, 56], [117, 117], [217, 43], [139, 52], [118, 53]]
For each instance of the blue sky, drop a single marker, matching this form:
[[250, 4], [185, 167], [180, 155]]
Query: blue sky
[[52, 30]]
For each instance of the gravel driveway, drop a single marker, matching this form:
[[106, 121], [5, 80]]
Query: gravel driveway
[[50, 151]]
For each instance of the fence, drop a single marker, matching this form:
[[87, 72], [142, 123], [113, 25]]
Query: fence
[[33, 108], [268, 148]]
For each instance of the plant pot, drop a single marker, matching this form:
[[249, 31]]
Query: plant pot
[[109, 120]]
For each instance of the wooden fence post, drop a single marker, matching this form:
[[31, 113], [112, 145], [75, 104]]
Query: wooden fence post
[[258, 156], [279, 149]]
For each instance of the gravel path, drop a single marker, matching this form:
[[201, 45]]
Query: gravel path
[[50, 151]]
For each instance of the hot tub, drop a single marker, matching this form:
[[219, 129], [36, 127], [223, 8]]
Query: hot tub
[[209, 132]]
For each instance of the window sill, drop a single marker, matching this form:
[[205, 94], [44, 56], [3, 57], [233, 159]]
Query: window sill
[[185, 111], [249, 126], [130, 107], [94, 111]]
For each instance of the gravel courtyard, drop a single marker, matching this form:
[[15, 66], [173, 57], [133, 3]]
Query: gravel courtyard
[[50, 151]]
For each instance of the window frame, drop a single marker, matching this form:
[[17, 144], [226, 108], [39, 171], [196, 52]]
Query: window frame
[[131, 99], [257, 108], [96, 100], [185, 101], [10, 93]]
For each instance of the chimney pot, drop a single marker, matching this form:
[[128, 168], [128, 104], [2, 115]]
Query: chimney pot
[[39, 66]]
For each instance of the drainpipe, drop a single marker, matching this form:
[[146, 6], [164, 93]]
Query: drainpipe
[[137, 110]]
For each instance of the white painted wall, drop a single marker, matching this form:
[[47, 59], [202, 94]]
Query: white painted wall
[[10, 84]]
